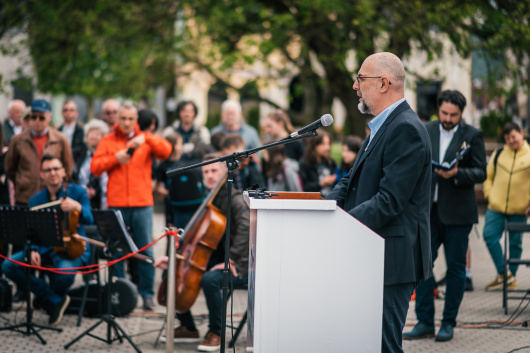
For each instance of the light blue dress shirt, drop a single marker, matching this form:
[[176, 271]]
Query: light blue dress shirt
[[376, 123]]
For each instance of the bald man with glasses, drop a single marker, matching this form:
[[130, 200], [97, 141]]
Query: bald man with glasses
[[26, 149]]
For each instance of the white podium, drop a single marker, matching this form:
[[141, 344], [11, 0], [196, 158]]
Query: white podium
[[315, 279]]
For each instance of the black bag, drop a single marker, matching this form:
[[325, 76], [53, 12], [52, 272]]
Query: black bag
[[6, 295], [186, 190], [124, 298]]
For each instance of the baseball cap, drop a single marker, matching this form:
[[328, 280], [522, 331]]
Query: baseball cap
[[41, 105]]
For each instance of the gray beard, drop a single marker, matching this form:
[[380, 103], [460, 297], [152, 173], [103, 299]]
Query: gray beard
[[364, 108]]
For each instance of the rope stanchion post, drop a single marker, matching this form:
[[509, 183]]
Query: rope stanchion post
[[170, 292]]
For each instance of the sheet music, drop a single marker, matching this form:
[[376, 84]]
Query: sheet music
[[123, 227]]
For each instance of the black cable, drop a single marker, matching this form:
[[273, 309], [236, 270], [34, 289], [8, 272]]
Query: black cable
[[518, 349]]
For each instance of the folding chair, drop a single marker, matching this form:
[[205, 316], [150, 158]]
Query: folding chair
[[519, 228]]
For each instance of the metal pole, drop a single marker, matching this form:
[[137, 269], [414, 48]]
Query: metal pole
[[170, 324]]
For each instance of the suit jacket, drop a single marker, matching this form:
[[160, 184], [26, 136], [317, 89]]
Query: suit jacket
[[78, 139], [457, 204], [388, 190], [8, 131]]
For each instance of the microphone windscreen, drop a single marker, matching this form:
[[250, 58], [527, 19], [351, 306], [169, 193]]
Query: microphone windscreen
[[326, 120]]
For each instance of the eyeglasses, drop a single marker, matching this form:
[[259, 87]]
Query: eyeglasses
[[69, 110], [40, 117], [109, 112], [359, 78], [48, 170]]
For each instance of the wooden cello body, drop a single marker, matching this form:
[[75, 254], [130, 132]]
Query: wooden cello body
[[202, 235]]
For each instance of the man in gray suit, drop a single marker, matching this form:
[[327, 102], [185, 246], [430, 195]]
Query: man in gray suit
[[388, 187]]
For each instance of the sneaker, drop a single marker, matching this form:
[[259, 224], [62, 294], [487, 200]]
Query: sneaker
[[56, 310], [149, 304], [212, 343], [38, 304], [497, 283], [183, 335]]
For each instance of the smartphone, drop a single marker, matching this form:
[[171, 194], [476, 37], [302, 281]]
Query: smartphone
[[130, 151]]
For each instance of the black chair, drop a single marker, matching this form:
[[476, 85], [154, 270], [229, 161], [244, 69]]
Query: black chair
[[518, 228]]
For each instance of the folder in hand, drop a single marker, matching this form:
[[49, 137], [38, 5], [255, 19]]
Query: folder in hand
[[449, 165]]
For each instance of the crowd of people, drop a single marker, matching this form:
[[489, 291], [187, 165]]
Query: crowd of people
[[120, 163]]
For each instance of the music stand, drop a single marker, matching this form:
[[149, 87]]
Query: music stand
[[112, 228], [20, 226]]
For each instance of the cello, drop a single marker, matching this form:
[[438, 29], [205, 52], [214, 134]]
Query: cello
[[202, 235]]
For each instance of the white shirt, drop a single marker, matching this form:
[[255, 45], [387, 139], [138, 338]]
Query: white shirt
[[16, 129], [69, 130], [445, 139]]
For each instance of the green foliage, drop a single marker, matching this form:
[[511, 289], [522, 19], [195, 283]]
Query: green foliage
[[492, 123], [213, 119], [252, 117], [100, 48]]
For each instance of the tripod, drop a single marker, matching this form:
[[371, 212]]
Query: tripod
[[111, 227], [44, 227], [108, 318]]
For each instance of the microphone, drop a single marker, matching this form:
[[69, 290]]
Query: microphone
[[325, 120]]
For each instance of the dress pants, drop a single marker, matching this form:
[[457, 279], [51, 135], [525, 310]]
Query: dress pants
[[396, 300], [455, 240]]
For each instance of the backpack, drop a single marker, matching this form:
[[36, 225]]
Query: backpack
[[186, 190], [495, 159]]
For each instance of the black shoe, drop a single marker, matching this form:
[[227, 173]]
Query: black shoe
[[445, 333], [149, 304], [421, 330], [469, 284], [20, 296], [56, 310], [38, 304]]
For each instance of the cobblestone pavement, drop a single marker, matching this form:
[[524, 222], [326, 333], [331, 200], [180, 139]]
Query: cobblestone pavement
[[477, 307]]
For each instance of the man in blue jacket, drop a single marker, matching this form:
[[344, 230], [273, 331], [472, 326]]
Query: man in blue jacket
[[388, 187], [53, 297]]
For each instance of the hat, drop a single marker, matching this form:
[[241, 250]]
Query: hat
[[41, 105], [26, 113]]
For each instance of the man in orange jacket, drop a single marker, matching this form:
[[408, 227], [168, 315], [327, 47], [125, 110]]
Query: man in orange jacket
[[125, 154]]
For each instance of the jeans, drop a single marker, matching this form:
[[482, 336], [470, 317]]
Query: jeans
[[60, 283], [493, 230], [455, 240], [140, 220], [211, 284]]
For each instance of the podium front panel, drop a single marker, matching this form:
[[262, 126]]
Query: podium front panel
[[315, 279]]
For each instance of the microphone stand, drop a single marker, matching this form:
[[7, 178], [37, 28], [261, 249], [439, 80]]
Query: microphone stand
[[232, 163]]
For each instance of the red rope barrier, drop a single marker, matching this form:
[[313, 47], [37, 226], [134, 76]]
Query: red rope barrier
[[67, 270]]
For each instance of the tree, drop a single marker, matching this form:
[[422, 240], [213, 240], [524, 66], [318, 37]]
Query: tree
[[223, 36], [97, 48]]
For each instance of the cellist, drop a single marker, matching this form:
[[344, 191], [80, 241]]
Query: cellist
[[53, 298], [211, 281]]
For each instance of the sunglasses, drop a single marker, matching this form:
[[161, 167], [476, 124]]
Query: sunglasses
[[108, 112], [35, 117], [56, 169]]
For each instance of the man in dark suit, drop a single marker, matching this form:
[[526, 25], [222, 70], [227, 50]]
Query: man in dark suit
[[71, 129], [453, 210], [388, 187], [13, 122]]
